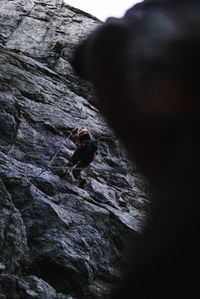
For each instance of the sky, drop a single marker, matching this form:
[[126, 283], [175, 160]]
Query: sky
[[102, 9]]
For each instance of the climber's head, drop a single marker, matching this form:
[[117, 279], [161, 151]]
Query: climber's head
[[80, 131], [80, 134]]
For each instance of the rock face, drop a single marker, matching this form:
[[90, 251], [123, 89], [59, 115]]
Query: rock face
[[56, 239]]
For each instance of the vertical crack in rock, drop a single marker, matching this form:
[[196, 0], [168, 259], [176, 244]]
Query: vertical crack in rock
[[57, 240]]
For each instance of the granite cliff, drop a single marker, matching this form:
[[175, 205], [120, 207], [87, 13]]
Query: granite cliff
[[56, 239]]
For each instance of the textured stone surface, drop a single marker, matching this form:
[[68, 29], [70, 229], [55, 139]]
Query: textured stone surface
[[76, 238], [13, 242], [15, 287]]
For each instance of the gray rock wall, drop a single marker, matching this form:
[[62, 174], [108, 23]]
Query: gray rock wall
[[56, 239]]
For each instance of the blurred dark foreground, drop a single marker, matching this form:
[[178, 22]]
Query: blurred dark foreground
[[145, 68]]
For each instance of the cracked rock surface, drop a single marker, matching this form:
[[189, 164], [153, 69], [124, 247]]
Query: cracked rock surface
[[56, 239]]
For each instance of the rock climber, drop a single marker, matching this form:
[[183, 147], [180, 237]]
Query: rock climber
[[83, 155]]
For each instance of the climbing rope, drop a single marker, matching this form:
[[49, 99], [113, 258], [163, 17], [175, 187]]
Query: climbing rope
[[50, 162]]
